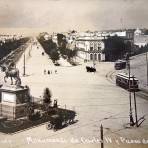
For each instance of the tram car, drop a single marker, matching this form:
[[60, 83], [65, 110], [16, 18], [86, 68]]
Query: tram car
[[123, 80], [120, 64]]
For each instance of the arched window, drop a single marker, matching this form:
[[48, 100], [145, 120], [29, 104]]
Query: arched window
[[91, 56], [95, 56], [99, 57]]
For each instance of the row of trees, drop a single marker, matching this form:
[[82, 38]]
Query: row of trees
[[55, 50], [62, 46], [116, 48], [139, 50], [50, 48], [10, 45]]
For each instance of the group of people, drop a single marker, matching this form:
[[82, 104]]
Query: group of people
[[49, 72]]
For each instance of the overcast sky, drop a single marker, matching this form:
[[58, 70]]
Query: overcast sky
[[63, 15]]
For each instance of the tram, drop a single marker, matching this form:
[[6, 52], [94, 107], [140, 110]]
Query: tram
[[130, 83], [120, 64]]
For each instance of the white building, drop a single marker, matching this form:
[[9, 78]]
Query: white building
[[139, 38], [90, 48]]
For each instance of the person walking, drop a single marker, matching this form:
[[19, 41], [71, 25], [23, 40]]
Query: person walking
[[44, 71]]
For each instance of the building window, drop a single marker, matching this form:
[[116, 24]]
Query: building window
[[95, 56], [91, 48], [99, 57], [91, 56], [99, 48]]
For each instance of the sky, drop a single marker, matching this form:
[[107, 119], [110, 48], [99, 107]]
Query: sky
[[80, 15]]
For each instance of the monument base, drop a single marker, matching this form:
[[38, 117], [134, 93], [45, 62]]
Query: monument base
[[13, 101]]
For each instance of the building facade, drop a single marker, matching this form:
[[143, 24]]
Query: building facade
[[140, 39], [90, 48]]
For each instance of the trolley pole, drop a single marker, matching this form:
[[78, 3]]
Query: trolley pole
[[130, 101], [101, 135], [93, 59], [135, 107], [147, 67], [24, 66]]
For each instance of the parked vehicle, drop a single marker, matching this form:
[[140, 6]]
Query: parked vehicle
[[120, 64], [61, 118], [130, 83], [90, 69]]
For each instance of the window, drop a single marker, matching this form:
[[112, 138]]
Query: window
[[95, 56], [91, 48], [91, 56]]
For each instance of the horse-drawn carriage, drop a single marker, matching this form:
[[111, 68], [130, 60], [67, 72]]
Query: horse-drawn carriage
[[90, 69], [57, 117], [61, 119]]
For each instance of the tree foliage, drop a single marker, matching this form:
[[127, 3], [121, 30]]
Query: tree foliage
[[139, 50], [10, 45], [62, 43], [50, 48], [61, 40], [47, 96], [115, 48], [53, 51]]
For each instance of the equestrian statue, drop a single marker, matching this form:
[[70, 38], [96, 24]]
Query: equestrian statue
[[11, 72]]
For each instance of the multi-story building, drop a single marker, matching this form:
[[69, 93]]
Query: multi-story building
[[140, 39], [90, 48]]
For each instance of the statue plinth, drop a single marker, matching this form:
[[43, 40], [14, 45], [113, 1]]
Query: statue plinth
[[13, 101]]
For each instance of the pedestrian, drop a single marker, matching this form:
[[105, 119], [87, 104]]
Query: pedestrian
[[55, 71], [44, 71], [49, 72]]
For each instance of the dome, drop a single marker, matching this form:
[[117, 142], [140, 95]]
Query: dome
[[138, 32]]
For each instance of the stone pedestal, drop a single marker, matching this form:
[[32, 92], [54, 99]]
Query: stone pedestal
[[13, 101]]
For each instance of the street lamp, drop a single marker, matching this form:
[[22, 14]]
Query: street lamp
[[135, 103], [147, 67], [24, 66], [129, 87]]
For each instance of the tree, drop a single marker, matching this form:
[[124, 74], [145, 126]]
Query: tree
[[54, 55], [61, 40], [115, 48], [50, 48], [47, 96]]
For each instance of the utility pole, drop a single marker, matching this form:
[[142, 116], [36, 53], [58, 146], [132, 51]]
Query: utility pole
[[24, 66], [101, 135], [135, 105], [94, 59], [147, 67], [129, 87]]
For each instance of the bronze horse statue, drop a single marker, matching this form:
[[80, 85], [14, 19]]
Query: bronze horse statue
[[13, 73]]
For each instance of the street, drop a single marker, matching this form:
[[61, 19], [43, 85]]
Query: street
[[95, 99]]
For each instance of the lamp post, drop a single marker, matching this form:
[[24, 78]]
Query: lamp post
[[135, 103], [101, 136], [129, 87], [24, 66], [147, 67]]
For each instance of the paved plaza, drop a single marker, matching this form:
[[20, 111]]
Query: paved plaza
[[95, 98]]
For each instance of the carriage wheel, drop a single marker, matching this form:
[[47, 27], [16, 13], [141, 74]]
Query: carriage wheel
[[49, 126]]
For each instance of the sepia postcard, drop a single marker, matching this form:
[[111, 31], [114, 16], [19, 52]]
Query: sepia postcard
[[73, 74]]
